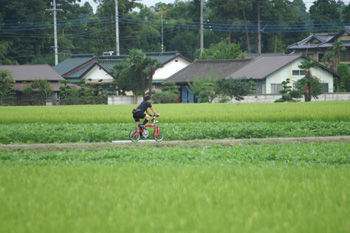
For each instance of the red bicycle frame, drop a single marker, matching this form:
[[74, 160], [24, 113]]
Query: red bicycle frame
[[156, 129]]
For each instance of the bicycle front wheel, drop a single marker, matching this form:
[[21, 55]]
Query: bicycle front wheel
[[158, 135], [134, 135]]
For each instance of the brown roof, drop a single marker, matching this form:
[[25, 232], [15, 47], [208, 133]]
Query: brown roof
[[32, 72], [216, 68]]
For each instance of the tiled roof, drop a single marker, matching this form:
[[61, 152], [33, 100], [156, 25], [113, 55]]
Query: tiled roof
[[326, 40], [263, 66], [257, 68], [33, 72], [73, 62], [216, 68]]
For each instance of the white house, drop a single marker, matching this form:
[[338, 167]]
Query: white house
[[268, 71]]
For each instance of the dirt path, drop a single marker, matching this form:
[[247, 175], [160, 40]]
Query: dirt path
[[262, 140]]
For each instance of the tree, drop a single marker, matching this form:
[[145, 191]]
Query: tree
[[325, 14], [309, 84], [139, 62], [44, 89], [331, 59], [234, 88], [153, 65], [6, 86], [344, 72], [204, 87], [287, 93], [223, 51], [170, 93]]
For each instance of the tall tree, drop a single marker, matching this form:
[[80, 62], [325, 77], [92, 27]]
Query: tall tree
[[325, 15], [6, 83], [309, 81]]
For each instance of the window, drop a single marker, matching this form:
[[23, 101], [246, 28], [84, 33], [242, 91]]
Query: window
[[275, 88], [320, 56], [298, 73], [325, 87]]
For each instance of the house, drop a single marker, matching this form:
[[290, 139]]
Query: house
[[100, 69], [25, 74], [85, 67], [317, 44], [268, 72]]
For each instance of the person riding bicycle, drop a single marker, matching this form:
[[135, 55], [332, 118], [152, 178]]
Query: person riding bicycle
[[139, 112]]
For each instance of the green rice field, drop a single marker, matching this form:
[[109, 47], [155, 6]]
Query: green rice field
[[178, 113], [206, 185]]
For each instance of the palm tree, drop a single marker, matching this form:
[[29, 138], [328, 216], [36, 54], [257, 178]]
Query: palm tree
[[308, 79], [153, 65]]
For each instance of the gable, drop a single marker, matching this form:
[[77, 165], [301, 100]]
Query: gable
[[97, 73], [171, 67]]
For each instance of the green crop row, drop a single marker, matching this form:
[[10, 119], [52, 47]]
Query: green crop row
[[282, 155], [65, 132], [178, 113]]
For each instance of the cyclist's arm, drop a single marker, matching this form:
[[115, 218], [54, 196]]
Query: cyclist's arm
[[154, 111]]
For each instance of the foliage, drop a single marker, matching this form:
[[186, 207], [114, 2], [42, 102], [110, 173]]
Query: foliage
[[286, 92], [6, 84], [223, 51], [344, 72], [82, 93], [170, 93], [313, 83], [44, 89], [309, 84], [19, 133], [204, 87], [236, 88]]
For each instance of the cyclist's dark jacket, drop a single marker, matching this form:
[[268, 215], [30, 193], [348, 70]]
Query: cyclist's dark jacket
[[143, 106]]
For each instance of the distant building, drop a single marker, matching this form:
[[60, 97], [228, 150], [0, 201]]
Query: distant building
[[93, 69], [25, 74], [268, 72], [317, 44]]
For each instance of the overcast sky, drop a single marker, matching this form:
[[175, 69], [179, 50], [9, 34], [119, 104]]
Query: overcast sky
[[308, 3]]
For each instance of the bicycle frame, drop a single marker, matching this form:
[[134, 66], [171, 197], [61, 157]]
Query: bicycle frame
[[154, 125]]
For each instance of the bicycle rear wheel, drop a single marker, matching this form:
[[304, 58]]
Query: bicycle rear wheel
[[158, 136], [134, 135]]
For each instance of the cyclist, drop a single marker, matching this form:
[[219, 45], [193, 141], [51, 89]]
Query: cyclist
[[139, 112]]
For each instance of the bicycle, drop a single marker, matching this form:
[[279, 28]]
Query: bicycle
[[158, 134]]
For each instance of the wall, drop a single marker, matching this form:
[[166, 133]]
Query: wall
[[118, 100], [95, 74], [286, 72], [170, 68], [271, 98]]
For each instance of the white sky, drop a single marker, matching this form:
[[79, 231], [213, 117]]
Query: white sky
[[308, 3]]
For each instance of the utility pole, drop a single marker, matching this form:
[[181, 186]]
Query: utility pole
[[162, 32], [54, 9], [202, 29], [117, 27]]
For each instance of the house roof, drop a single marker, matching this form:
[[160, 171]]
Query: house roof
[[325, 40], [108, 62], [33, 72], [263, 66], [77, 65], [217, 68], [257, 68], [72, 64]]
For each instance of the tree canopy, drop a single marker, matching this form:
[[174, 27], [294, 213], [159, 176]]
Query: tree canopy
[[26, 27]]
